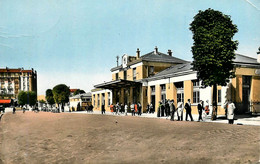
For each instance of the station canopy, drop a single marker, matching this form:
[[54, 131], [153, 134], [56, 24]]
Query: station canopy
[[116, 84]]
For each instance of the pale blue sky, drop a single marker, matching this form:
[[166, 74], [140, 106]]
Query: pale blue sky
[[76, 42]]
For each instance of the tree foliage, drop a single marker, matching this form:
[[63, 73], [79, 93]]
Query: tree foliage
[[49, 97], [213, 47], [42, 101], [61, 93], [78, 91], [28, 97]]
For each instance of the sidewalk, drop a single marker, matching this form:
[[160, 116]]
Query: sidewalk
[[239, 119]]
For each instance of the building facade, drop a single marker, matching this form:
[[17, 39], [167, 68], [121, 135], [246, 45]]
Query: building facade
[[15, 80], [155, 77], [81, 99]]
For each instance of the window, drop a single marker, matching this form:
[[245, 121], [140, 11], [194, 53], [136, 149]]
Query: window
[[125, 75], [151, 70], [153, 89], [196, 91], [134, 73], [179, 85], [196, 83], [163, 88], [219, 96], [116, 76], [163, 94], [196, 96], [180, 97]]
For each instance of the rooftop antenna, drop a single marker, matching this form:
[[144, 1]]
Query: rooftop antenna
[[117, 57]]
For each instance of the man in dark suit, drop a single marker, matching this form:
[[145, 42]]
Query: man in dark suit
[[200, 108], [188, 110]]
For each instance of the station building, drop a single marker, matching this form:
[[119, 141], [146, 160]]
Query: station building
[[156, 76]]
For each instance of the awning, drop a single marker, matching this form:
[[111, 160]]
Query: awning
[[5, 101], [116, 84]]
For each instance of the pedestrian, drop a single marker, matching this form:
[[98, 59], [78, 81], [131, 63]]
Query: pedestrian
[[230, 112], [122, 108], [180, 110], [159, 109], [91, 108], [207, 107], [136, 108], [133, 109], [162, 109], [188, 110], [117, 108], [14, 109], [86, 109], [126, 109], [111, 108], [172, 109], [23, 109], [226, 106], [139, 109], [167, 108], [114, 109], [103, 110], [200, 109], [151, 108], [148, 109]]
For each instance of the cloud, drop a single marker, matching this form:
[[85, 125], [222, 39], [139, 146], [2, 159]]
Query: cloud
[[73, 80]]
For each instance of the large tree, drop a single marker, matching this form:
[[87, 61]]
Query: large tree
[[61, 94], [28, 97], [213, 49], [49, 97]]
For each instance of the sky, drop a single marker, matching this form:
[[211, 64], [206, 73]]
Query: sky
[[76, 42]]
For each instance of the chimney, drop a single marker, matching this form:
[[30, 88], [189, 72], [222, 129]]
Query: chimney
[[155, 50], [258, 56], [117, 57], [137, 53], [169, 52]]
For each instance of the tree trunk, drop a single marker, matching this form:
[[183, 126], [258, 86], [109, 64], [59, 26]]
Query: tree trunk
[[214, 103]]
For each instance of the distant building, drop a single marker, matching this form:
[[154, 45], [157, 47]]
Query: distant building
[[72, 91], [12, 81], [41, 97], [82, 99]]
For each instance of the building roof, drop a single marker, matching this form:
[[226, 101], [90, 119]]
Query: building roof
[[242, 59], [154, 57], [161, 57], [15, 70], [117, 84], [176, 70], [73, 90], [88, 94], [186, 68]]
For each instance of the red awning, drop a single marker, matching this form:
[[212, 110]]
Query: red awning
[[7, 101]]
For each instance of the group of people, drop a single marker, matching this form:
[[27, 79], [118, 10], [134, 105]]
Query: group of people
[[118, 109], [89, 108], [168, 109]]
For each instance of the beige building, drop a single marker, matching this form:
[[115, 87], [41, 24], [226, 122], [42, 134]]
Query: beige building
[[155, 76], [81, 99], [14, 80]]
